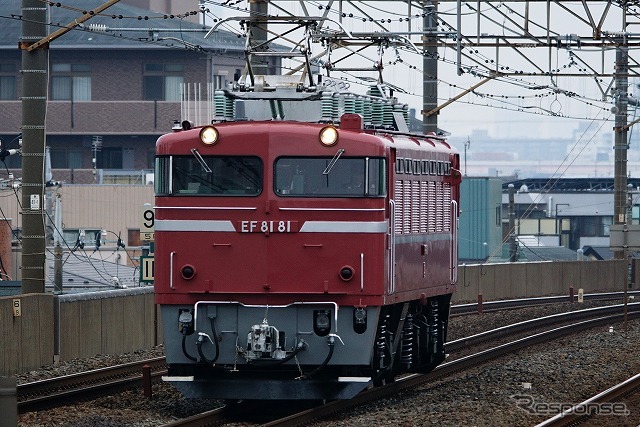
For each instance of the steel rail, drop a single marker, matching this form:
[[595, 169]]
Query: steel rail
[[459, 309], [54, 391], [585, 410]]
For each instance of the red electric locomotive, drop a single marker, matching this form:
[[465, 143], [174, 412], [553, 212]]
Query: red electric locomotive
[[299, 260]]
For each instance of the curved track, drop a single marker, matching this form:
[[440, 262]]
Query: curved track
[[56, 391]]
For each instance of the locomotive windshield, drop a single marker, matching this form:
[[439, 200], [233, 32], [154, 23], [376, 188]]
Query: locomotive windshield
[[348, 176], [209, 175]]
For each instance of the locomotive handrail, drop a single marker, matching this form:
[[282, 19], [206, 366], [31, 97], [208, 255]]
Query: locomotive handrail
[[215, 208], [454, 246], [361, 272], [334, 304], [334, 209], [392, 244], [171, 255]]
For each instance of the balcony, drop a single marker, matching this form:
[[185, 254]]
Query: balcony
[[97, 117]]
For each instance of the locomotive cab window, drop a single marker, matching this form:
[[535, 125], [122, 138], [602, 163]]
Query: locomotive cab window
[[209, 175], [330, 177]]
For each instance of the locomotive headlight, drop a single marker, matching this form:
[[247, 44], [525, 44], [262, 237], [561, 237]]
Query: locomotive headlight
[[188, 271], [322, 322], [209, 135], [328, 136]]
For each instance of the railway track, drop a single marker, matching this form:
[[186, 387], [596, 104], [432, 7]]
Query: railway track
[[607, 401], [57, 391], [581, 320], [489, 306]]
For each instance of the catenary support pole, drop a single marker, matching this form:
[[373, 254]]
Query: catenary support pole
[[430, 66], [35, 64]]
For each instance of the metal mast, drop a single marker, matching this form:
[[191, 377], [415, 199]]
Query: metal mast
[[34, 105], [430, 65], [621, 146]]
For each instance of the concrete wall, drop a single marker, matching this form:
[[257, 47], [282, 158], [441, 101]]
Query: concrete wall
[[531, 279], [57, 328], [108, 322], [26, 341]]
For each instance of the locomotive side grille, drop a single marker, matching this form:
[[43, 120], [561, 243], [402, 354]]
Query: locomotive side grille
[[424, 206], [446, 191], [415, 206], [420, 207], [407, 208], [399, 207], [439, 207], [432, 203]]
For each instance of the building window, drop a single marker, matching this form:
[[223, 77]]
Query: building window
[[163, 82], [62, 158], [71, 82], [606, 222], [7, 82], [590, 226], [109, 158]]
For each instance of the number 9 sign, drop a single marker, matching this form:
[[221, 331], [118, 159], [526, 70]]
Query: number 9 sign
[[146, 227]]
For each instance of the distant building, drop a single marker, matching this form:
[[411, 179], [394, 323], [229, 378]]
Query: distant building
[[574, 213], [588, 153], [480, 230]]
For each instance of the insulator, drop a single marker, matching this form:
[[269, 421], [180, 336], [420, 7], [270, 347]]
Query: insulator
[[359, 105], [368, 111], [377, 113], [337, 104], [97, 28], [219, 105], [406, 354], [326, 106], [230, 109], [349, 104], [374, 91], [387, 115]]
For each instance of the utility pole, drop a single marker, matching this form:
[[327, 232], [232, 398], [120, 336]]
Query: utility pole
[[467, 144], [259, 9], [34, 71], [34, 44], [430, 66], [620, 144], [513, 246]]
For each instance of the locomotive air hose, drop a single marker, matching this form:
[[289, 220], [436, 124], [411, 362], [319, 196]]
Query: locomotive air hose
[[184, 349], [325, 362]]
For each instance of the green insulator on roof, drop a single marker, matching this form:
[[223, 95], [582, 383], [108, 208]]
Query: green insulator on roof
[[377, 113], [387, 114], [230, 109], [326, 106], [219, 105], [349, 103]]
